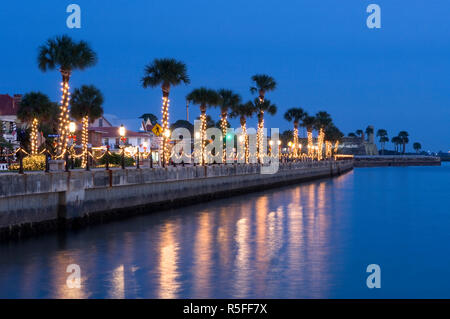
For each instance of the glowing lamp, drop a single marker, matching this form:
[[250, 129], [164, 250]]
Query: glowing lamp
[[72, 127], [122, 131]]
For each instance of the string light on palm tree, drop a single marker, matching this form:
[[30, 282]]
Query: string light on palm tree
[[33, 136], [86, 107], [165, 73], [35, 107], [227, 100], [205, 98], [68, 55], [263, 83], [243, 111], [295, 115]]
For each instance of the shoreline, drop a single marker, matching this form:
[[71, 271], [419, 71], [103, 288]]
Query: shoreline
[[61, 209]]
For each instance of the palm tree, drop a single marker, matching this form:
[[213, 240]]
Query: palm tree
[[295, 115], [228, 100], [308, 123], [205, 98], [369, 130], [263, 83], [244, 112], [403, 135], [262, 107], [63, 53], [383, 138], [351, 134], [332, 135], [417, 147], [165, 73], [149, 116], [322, 121], [86, 107], [396, 140], [35, 108], [360, 133]]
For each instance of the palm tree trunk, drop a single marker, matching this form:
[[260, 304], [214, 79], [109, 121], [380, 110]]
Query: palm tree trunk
[[224, 127], [203, 132], [245, 138], [320, 144], [64, 113], [310, 143], [84, 140], [165, 125], [296, 140], [260, 135], [404, 147], [34, 136]]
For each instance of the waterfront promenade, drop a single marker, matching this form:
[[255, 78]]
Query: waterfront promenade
[[38, 202]]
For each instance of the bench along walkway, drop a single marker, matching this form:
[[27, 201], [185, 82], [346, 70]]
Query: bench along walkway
[[35, 202]]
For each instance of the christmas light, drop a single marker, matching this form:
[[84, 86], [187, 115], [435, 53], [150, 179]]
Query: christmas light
[[34, 135], [165, 126]]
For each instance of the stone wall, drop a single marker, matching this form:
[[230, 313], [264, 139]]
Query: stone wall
[[36, 201], [396, 160]]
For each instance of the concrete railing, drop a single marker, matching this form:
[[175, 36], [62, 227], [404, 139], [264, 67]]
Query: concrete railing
[[30, 202]]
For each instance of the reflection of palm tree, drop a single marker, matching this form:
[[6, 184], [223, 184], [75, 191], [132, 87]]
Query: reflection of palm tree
[[165, 73], [67, 55], [86, 107], [34, 108], [243, 111], [205, 98], [295, 115]]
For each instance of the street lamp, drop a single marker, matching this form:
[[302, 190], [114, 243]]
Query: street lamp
[[122, 132]]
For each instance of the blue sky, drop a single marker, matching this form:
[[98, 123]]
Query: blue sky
[[321, 53]]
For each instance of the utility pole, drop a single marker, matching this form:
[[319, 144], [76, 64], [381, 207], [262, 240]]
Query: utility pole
[[187, 110]]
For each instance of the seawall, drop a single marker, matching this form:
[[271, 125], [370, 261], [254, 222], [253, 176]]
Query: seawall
[[396, 160], [37, 202]]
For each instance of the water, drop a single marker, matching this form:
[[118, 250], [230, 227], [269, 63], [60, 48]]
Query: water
[[313, 240]]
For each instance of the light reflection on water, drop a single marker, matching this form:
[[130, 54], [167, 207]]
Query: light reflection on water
[[313, 240]]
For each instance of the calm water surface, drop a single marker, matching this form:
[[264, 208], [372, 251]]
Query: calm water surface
[[313, 240]]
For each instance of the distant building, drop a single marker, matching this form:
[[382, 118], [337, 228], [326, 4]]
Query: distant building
[[8, 117], [103, 133]]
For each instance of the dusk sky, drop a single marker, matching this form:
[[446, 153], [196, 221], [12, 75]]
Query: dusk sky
[[321, 53]]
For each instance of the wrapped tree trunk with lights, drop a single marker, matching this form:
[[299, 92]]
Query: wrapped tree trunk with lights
[[308, 123], [263, 83], [322, 122], [243, 111], [166, 73], [295, 115], [227, 100], [205, 98], [34, 108], [67, 55], [86, 106]]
